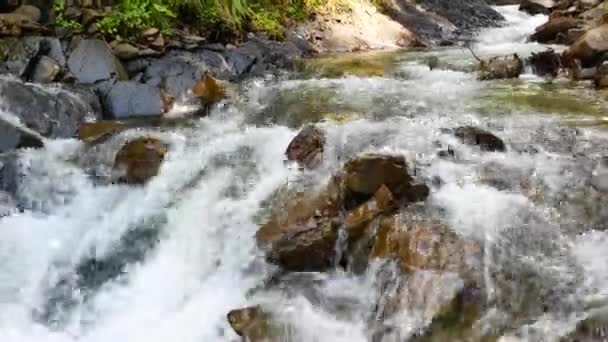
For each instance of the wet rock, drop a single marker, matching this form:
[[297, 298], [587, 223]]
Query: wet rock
[[546, 63], [254, 324], [366, 173], [601, 76], [588, 330], [46, 70], [126, 99], [477, 137], [537, 6], [427, 246], [92, 61], [299, 210], [208, 90], [20, 57], [307, 147], [251, 323], [589, 48], [550, 31], [357, 219], [94, 131], [500, 68], [139, 160], [307, 248], [54, 111]]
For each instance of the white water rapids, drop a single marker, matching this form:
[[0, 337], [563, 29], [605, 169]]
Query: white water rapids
[[206, 200]]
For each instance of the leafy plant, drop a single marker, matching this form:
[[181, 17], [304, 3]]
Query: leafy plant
[[61, 21], [132, 16]]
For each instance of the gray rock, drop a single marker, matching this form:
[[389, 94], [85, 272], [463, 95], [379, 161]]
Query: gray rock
[[46, 70], [8, 204], [52, 111], [240, 63], [92, 61], [125, 99]]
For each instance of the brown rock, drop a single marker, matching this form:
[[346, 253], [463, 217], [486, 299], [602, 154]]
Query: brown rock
[[298, 211], [140, 159], [254, 324], [94, 131], [426, 247], [500, 68], [307, 248], [546, 63], [251, 323], [589, 48], [151, 32], [366, 173], [158, 43], [549, 32], [307, 147], [209, 90], [358, 219]]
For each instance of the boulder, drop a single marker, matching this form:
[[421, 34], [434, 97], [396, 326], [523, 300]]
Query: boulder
[[307, 147], [94, 131], [46, 70], [601, 76], [251, 323], [20, 57], [500, 68], [546, 63], [125, 51], [53, 111], [298, 211], [92, 61], [474, 136], [139, 160], [537, 6], [427, 246], [307, 248], [589, 49], [124, 99], [359, 218], [254, 324], [16, 24], [33, 13], [208, 90], [366, 173], [550, 31]]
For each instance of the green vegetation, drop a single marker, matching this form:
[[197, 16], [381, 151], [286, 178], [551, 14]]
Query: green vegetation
[[61, 21], [215, 18]]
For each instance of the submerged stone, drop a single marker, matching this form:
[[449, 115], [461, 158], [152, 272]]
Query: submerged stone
[[475, 136]]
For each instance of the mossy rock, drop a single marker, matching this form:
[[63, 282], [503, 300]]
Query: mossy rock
[[140, 159]]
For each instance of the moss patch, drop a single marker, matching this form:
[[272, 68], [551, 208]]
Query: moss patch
[[356, 64], [550, 98]]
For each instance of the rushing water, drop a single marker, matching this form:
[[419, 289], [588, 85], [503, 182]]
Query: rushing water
[[179, 253]]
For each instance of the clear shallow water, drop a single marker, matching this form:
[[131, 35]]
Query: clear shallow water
[[532, 208]]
